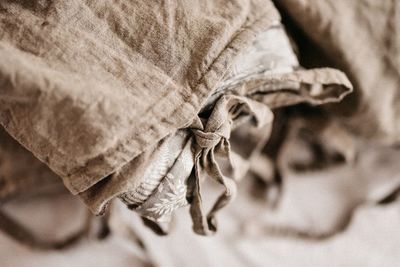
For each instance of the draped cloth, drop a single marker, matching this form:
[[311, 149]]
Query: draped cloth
[[136, 100]]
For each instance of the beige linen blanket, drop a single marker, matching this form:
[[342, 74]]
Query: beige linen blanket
[[137, 99]]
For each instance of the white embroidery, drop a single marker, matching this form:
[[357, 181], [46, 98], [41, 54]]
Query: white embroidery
[[172, 200]]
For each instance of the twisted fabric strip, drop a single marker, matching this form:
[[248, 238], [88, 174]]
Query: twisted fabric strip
[[212, 142]]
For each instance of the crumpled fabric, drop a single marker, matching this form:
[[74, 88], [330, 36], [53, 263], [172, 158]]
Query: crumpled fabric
[[114, 98], [91, 65], [362, 38], [21, 174], [217, 136], [321, 190], [212, 140], [326, 149]]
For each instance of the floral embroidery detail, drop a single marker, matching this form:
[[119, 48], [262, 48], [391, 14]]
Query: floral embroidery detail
[[154, 174], [175, 198], [171, 192]]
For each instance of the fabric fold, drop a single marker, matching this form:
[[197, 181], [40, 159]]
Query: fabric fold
[[74, 75], [212, 141], [125, 101]]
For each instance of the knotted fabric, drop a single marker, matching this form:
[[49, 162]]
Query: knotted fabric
[[211, 137]]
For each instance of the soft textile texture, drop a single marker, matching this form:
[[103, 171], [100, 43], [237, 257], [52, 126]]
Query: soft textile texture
[[98, 90], [363, 39], [88, 85], [22, 174], [262, 71]]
